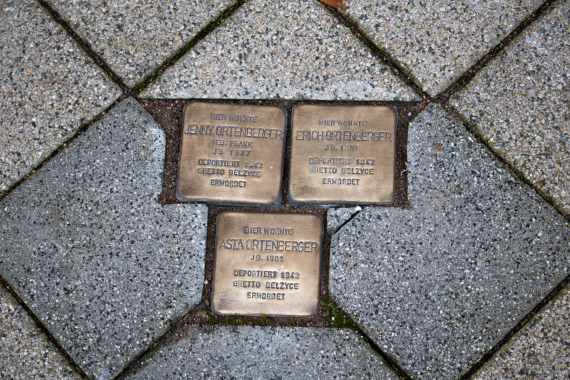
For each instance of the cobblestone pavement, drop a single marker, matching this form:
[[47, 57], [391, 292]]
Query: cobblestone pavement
[[468, 279]]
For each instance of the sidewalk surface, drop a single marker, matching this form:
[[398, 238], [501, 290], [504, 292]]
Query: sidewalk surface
[[100, 279]]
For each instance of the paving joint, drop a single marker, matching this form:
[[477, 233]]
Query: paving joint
[[40, 326], [391, 363], [470, 73], [346, 222], [85, 46], [326, 320], [520, 177], [442, 99], [516, 172], [56, 151], [462, 120], [151, 77], [201, 314], [527, 318], [382, 55]]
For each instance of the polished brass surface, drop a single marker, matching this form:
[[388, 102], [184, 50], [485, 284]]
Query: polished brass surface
[[342, 154], [267, 264], [231, 153]]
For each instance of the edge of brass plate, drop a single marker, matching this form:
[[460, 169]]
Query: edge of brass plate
[[273, 203], [295, 202], [314, 311]]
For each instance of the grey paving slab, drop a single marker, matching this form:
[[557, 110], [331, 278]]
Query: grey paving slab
[[437, 41], [49, 89], [520, 104], [540, 350], [26, 352], [438, 285], [337, 216], [254, 352], [87, 247], [292, 49], [135, 37]]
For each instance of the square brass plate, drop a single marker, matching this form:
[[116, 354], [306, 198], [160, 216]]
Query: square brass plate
[[267, 264], [231, 153], [342, 154]]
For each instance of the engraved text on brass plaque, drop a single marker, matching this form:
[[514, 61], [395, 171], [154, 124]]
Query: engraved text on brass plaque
[[267, 264], [231, 153], [342, 154]]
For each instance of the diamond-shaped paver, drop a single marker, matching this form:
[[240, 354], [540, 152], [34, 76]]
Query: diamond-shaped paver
[[520, 104], [134, 37], [254, 352], [87, 247], [293, 49], [540, 350], [25, 352], [49, 89], [438, 285], [437, 41]]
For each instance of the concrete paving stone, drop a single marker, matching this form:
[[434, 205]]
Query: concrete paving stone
[[540, 350], [26, 352], [87, 247], [49, 88], [337, 216], [437, 41], [254, 352], [438, 285], [135, 37], [293, 49], [520, 104]]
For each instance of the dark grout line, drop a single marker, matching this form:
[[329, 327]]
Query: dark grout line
[[518, 173], [55, 152], [213, 210], [554, 292], [527, 318], [468, 75], [40, 326], [391, 363], [443, 99], [83, 129], [265, 320], [353, 216], [85, 46], [148, 349], [5, 283], [373, 346], [151, 77], [379, 53]]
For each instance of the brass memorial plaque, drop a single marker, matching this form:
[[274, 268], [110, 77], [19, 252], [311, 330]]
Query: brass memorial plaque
[[231, 153], [267, 264], [342, 154]]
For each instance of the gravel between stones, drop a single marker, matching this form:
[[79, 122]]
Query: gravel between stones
[[254, 352], [292, 49], [437, 41], [520, 104], [438, 285], [86, 246], [136, 37], [49, 89], [26, 352]]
